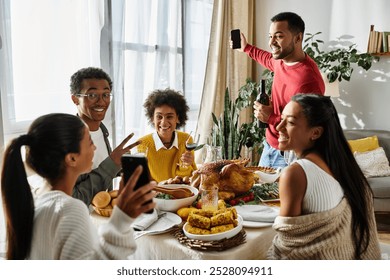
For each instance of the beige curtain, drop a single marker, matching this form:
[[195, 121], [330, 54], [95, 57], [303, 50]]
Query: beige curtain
[[225, 67]]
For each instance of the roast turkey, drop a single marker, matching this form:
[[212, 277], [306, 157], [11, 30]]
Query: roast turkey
[[231, 177]]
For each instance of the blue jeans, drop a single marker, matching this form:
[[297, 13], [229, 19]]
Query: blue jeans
[[271, 157]]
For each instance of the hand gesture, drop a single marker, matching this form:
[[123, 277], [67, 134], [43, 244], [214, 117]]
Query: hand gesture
[[134, 203], [121, 149]]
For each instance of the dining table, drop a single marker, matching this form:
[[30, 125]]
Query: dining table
[[166, 246]]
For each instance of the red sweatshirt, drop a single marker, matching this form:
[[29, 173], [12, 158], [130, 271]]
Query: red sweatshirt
[[303, 77]]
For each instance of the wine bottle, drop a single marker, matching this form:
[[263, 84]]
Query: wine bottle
[[263, 98]]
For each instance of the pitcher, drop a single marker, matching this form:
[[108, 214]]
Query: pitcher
[[214, 153]]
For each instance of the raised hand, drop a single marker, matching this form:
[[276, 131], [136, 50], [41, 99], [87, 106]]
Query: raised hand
[[121, 149]]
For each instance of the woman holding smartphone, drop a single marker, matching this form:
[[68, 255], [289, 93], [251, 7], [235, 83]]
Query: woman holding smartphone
[[55, 225]]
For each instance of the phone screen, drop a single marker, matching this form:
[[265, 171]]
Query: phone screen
[[130, 163], [235, 36]]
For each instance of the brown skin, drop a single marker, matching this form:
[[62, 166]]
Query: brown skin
[[165, 120], [295, 134], [129, 201], [284, 45], [93, 113]]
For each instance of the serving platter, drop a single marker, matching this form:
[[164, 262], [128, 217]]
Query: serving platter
[[216, 236]]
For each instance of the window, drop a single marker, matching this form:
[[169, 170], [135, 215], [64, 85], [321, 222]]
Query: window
[[163, 44], [43, 43]]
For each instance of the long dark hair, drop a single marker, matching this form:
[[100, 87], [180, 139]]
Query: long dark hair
[[47, 142], [333, 147]]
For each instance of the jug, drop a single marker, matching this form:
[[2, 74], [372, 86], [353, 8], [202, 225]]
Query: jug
[[213, 153]]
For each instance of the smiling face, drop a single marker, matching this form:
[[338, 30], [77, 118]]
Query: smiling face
[[92, 112], [165, 120], [294, 131], [283, 43]]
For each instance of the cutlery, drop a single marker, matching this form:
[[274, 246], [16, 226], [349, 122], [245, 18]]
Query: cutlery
[[139, 234]]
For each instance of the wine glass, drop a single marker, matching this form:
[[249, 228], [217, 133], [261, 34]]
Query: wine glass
[[190, 147], [289, 156]]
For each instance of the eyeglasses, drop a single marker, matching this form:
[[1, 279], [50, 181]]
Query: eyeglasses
[[95, 97]]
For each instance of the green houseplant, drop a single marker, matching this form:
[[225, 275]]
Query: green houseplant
[[337, 62], [231, 134]]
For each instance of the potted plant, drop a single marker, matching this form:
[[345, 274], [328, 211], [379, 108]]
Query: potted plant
[[228, 132], [337, 63]]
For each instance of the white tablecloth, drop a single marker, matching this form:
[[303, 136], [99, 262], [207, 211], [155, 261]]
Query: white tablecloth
[[166, 247]]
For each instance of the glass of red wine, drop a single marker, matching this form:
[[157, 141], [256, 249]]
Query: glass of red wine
[[190, 147]]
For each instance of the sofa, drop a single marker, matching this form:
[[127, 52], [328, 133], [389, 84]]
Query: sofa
[[379, 185]]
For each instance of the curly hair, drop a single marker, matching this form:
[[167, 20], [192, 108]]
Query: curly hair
[[171, 98], [87, 73]]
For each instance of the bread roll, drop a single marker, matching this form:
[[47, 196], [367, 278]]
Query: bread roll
[[101, 199], [114, 201], [113, 193]]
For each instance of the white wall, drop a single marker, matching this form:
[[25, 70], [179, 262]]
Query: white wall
[[364, 102]]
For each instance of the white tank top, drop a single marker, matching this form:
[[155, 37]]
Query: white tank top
[[323, 192]]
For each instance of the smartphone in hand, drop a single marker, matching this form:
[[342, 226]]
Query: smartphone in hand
[[235, 36], [129, 164]]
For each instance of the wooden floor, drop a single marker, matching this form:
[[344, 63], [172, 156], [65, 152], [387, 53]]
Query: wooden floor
[[383, 226]]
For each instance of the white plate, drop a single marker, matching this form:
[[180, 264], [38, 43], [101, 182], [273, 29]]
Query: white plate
[[251, 224], [257, 215], [163, 224], [216, 236]]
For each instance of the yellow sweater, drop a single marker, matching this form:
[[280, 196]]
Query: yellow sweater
[[165, 163]]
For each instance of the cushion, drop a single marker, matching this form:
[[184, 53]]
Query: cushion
[[364, 144], [373, 163]]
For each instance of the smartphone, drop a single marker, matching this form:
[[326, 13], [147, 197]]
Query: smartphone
[[129, 164], [235, 36]]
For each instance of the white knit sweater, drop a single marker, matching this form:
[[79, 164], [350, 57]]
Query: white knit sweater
[[63, 230]]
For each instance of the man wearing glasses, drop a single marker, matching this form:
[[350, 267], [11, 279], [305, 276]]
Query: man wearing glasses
[[91, 93]]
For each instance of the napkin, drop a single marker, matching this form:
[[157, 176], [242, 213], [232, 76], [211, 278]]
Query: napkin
[[257, 213], [143, 221]]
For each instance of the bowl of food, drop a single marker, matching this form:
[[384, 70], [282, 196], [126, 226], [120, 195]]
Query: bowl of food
[[175, 196], [223, 231], [104, 201], [268, 175]]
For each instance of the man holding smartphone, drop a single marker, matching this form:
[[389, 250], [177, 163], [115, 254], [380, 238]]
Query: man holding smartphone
[[91, 93], [294, 72]]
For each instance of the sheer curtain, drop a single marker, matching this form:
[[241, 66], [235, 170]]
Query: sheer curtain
[[225, 67], [44, 43], [157, 44]]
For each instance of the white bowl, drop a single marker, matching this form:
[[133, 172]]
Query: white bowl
[[172, 205], [215, 236]]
